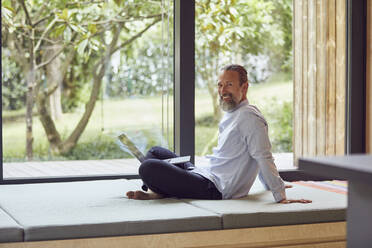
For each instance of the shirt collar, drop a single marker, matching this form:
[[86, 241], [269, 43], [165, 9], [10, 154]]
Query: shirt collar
[[245, 102]]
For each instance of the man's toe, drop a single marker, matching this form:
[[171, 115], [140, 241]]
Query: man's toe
[[130, 194]]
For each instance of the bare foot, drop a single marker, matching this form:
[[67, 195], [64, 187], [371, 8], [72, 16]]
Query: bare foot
[[130, 194], [140, 195]]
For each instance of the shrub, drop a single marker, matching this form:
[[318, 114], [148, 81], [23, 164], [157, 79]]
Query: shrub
[[99, 148], [279, 116], [208, 120], [105, 147]]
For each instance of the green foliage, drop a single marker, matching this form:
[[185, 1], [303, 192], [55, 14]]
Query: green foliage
[[75, 87], [99, 148], [207, 121], [222, 23], [13, 84], [281, 55], [205, 139], [225, 30], [87, 28], [105, 147], [229, 31], [279, 115], [115, 110], [141, 73]]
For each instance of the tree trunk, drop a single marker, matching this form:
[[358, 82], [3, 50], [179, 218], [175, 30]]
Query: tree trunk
[[214, 94], [54, 76], [30, 102], [98, 73], [207, 76], [28, 70], [216, 97], [58, 146], [55, 104], [55, 72], [46, 120]]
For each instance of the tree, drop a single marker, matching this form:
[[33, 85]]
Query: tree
[[227, 30], [282, 52], [44, 37]]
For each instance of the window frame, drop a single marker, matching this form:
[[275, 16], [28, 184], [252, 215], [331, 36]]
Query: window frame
[[356, 75], [184, 77], [184, 92]]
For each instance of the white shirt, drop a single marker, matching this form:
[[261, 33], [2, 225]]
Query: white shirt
[[243, 151]]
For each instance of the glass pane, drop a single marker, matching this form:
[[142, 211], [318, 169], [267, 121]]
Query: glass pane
[[80, 74], [258, 36]]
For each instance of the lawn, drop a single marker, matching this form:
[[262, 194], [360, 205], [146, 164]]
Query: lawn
[[130, 115]]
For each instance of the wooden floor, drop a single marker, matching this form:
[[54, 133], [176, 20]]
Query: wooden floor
[[99, 167]]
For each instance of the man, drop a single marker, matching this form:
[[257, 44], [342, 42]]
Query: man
[[242, 153]]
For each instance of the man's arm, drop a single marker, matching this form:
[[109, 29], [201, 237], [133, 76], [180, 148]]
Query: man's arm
[[260, 149]]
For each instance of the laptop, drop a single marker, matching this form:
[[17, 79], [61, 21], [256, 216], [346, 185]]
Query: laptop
[[125, 143]]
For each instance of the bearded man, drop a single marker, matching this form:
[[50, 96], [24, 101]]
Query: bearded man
[[243, 153]]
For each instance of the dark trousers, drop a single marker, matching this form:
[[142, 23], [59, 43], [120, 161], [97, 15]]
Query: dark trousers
[[174, 180]]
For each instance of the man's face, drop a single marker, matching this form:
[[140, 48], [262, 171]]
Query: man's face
[[230, 91]]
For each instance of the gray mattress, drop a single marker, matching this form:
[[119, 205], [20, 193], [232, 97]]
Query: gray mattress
[[100, 208], [10, 231], [259, 209]]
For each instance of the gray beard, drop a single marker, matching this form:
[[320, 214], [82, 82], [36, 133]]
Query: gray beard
[[228, 106]]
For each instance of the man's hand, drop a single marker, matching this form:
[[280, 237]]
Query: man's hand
[[287, 201]]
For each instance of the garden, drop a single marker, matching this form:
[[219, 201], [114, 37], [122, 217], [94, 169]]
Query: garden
[[73, 80]]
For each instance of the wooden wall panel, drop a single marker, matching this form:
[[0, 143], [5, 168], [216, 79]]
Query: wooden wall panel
[[340, 76], [297, 78], [311, 134], [304, 75], [369, 77], [331, 78], [319, 77]]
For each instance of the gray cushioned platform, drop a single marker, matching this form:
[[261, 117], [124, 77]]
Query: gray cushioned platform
[[97, 208], [259, 209], [10, 231]]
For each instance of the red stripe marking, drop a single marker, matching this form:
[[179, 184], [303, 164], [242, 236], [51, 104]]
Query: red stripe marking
[[321, 187]]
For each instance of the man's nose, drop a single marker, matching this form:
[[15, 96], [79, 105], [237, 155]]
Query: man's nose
[[223, 89]]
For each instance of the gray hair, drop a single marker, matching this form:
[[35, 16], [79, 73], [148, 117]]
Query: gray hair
[[238, 68]]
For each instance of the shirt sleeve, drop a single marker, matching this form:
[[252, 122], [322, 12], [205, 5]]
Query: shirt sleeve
[[259, 147], [262, 180]]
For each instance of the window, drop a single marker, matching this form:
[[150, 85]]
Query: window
[[257, 35], [184, 69], [82, 73], [297, 75]]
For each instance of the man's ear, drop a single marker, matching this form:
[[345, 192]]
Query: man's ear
[[245, 87]]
